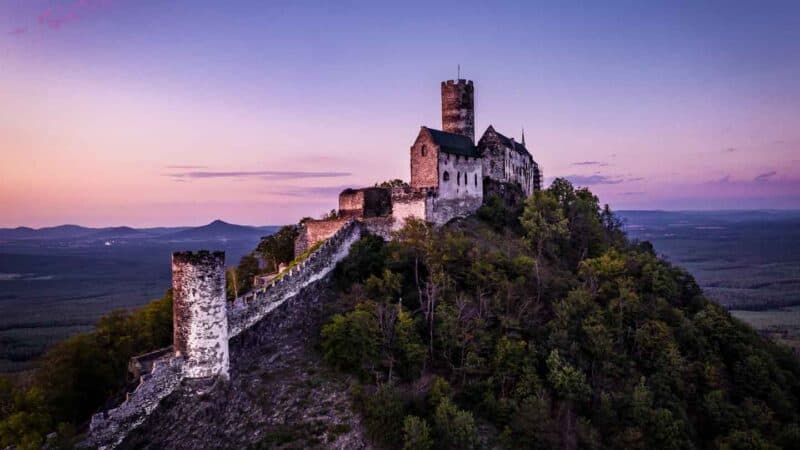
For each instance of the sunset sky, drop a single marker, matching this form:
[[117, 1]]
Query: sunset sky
[[148, 113]]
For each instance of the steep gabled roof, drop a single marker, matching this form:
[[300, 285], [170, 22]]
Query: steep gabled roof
[[452, 143], [508, 142]]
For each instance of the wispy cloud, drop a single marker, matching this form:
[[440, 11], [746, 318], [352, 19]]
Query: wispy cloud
[[591, 180], [764, 177], [729, 150], [186, 167], [55, 17], [591, 163], [266, 174], [598, 178], [306, 191], [633, 193]]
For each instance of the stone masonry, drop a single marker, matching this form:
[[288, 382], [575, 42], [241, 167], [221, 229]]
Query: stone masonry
[[199, 314], [201, 321]]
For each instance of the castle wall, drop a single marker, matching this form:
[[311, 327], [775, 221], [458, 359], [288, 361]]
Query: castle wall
[[108, 428], [366, 202], [313, 231], [248, 309], [407, 206], [464, 177], [519, 169], [200, 320], [379, 226], [424, 159], [442, 210]]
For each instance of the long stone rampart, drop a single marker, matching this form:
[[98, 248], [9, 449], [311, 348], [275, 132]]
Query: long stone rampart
[[109, 428], [248, 309]]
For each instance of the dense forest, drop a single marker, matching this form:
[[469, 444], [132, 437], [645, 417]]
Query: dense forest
[[542, 326], [538, 325], [78, 376]]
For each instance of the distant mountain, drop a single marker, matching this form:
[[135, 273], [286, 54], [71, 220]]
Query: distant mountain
[[59, 232], [219, 230], [216, 230], [117, 233]]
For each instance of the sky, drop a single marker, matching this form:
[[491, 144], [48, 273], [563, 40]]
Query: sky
[[160, 113]]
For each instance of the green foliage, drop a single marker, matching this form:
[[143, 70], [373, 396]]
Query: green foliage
[[497, 214], [559, 334], [382, 410], [367, 257], [350, 342], [77, 376], [455, 428], [416, 434], [277, 248]]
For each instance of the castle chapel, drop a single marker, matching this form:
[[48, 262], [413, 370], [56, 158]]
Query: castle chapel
[[451, 174]]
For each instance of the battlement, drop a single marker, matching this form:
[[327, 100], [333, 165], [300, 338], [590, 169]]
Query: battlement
[[201, 257], [246, 310], [460, 81]]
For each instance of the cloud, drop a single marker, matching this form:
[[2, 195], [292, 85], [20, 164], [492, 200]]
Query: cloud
[[55, 17], [633, 193], [591, 180], [266, 174], [764, 177], [598, 178], [306, 191], [725, 179], [590, 163], [186, 167], [729, 150], [19, 31]]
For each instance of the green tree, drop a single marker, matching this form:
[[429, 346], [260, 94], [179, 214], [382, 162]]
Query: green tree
[[416, 434], [277, 248]]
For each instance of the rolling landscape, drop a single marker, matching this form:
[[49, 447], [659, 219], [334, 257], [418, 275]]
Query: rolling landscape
[[56, 282], [360, 225]]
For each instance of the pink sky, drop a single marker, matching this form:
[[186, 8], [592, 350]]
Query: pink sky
[[115, 113]]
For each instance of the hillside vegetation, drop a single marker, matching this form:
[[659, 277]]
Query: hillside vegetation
[[544, 327]]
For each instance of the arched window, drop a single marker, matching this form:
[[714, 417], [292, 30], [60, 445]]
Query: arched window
[[476, 180], [424, 151], [446, 176], [458, 178]]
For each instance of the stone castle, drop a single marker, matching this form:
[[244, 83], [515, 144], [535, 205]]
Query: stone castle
[[450, 174], [450, 177]]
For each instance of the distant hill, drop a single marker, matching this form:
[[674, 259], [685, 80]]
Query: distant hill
[[216, 230], [59, 232], [219, 230]]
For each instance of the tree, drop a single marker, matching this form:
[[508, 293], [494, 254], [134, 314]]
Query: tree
[[352, 341], [455, 428], [277, 248], [416, 434]]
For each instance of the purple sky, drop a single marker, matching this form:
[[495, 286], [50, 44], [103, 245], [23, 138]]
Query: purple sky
[[177, 113]]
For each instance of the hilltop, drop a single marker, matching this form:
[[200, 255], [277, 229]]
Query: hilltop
[[536, 325]]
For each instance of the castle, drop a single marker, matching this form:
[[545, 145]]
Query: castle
[[451, 175]]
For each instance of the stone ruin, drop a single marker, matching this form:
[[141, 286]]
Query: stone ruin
[[204, 323]]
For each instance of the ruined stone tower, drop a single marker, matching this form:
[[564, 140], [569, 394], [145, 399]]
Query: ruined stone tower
[[458, 108], [199, 313]]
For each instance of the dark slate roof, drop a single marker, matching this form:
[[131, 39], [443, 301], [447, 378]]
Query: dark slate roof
[[510, 143], [453, 143]]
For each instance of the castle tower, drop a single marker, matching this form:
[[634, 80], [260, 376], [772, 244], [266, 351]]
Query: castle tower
[[199, 313], [458, 107]]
